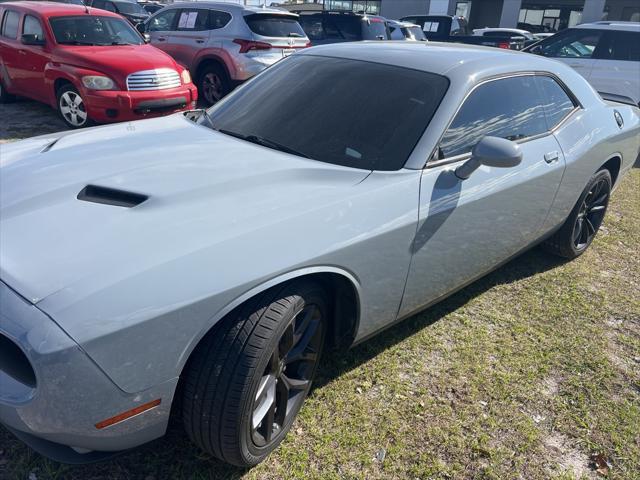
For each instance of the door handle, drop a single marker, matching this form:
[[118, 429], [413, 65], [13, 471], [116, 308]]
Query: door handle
[[162, 39], [551, 157], [199, 41], [22, 52]]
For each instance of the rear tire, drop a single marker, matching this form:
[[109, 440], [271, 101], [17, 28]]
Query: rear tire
[[584, 221], [248, 378], [213, 84]]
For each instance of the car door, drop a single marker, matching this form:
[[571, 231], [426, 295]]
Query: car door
[[9, 45], [575, 47], [160, 26], [33, 60], [468, 227], [190, 35], [616, 66]]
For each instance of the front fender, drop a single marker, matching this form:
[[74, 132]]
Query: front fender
[[262, 287]]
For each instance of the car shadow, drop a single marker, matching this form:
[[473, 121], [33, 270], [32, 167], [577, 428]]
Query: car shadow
[[637, 164], [174, 456], [528, 264]]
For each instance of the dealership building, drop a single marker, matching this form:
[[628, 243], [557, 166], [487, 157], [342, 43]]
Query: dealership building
[[555, 15]]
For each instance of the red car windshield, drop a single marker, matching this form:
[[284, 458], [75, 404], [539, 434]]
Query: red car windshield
[[94, 30]]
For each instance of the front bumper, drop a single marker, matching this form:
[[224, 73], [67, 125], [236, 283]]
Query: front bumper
[[106, 106], [57, 414]]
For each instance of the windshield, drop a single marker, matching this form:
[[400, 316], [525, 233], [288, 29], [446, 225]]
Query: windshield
[[94, 30], [333, 111], [274, 25], [415, 33], [131, 8], [374, 28]]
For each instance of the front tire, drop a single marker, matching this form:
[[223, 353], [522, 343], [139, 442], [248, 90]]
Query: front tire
[[248, 378], [584, 221], [72, 108]]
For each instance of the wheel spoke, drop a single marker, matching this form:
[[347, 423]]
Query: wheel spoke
[[65, 109], [577, 230], [307, 357], [590, 228], [294, 383], [268, 422], [265, 399], [82, 115], [597, 208]]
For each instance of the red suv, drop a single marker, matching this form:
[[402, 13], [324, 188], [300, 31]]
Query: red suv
[[89, 64]]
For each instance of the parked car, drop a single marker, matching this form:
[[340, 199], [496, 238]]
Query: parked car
[[151, 7], [224, 44], [129, 10], [607, 54], [405, 31], [339, 26], [445, 28], [206, 260], [91, 65], [542, 36], [529, 38], [529, 27]]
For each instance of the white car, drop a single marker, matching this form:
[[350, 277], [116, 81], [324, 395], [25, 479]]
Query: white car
[[605, 53], [513, 32]]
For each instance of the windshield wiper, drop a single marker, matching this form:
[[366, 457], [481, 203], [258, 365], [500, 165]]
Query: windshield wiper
[[76, 42], [265, 142]]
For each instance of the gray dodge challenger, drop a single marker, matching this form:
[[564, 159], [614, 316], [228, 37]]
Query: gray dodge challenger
[[204, 261]]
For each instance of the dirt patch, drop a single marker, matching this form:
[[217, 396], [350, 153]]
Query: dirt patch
[[567, 458]]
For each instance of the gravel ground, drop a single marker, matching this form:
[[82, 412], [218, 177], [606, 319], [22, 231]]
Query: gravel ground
[[25, 118]]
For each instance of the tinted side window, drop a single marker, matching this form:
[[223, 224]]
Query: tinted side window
[[163, 22], [218, 19], [10, 24], [98, 4], [557, 104], [577, 43], [110, 7], [349, 27], [31, 26], [508, 108], [312, 25], [617, 45], [193, 20]]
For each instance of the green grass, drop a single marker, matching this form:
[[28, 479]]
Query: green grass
[[527, 373]]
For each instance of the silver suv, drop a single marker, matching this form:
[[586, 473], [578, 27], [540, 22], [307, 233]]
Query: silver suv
[[224, 44]]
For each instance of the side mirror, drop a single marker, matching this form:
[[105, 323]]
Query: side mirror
[[147, 37], [492, 152], [32, 39]]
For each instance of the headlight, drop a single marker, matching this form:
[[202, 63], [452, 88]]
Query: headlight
[[186, 78], [97, 82]]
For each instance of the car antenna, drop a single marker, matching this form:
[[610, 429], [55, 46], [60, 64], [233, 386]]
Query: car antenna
[[86, 8]]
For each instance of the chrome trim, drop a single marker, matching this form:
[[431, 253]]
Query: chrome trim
[[156, 79], [444, 161]]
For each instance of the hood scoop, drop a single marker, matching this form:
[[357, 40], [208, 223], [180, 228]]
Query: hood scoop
[[111, 196]]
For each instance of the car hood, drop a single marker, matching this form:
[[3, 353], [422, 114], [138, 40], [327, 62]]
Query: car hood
[[203, 188], [117, 61]]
